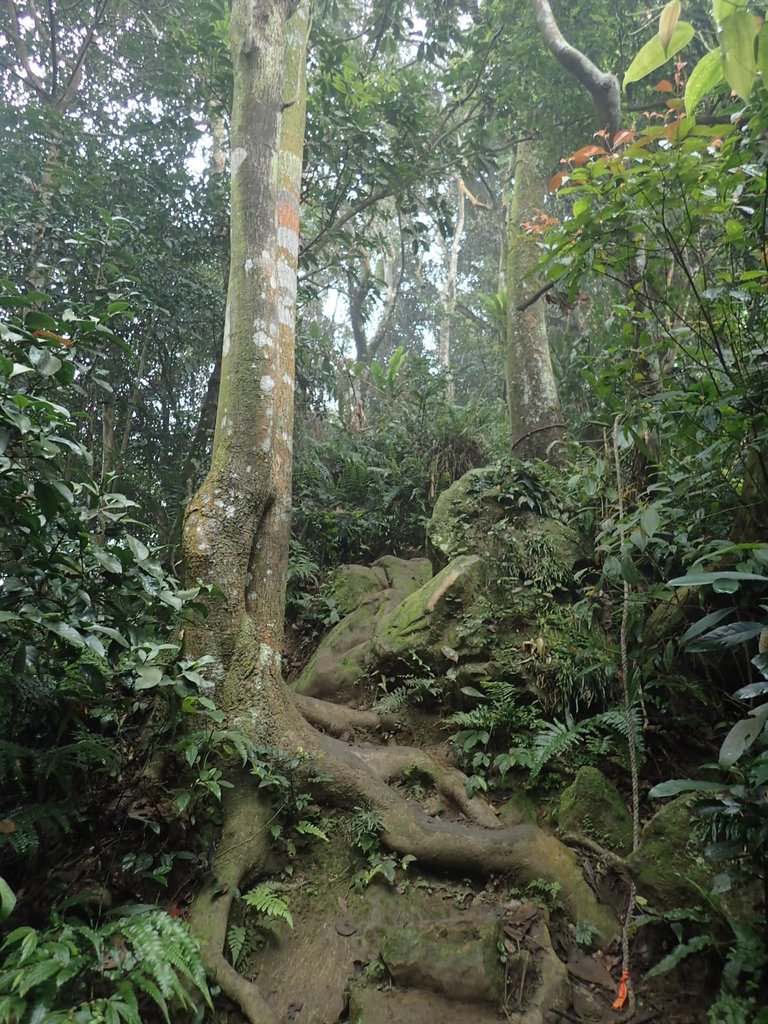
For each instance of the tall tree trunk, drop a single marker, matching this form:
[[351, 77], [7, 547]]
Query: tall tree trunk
[[448, 293], [237, 526], [535, 418]]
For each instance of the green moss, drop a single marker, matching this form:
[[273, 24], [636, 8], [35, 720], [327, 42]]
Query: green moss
[[591, 806], [667, 866]]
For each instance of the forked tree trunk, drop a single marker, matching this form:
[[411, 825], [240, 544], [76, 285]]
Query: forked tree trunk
[[535, 417]]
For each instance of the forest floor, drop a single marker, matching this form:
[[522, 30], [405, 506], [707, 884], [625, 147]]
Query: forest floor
[[428, 948]]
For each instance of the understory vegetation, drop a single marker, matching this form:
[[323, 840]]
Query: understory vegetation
[[630, 636]]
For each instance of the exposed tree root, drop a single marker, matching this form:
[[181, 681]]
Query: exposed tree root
[[341, 721], [361, 776], [393, 763], [554, 989], [243, 852]]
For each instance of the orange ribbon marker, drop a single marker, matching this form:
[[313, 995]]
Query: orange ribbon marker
[[621, 998]]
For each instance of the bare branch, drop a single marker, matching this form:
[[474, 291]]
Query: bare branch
[[602, 86]]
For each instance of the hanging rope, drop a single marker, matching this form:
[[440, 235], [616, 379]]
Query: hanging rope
[[626, 994]]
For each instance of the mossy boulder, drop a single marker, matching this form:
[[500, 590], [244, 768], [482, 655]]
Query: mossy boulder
[[668, 866], [518, 809], [350, 585], [425, 625], [482, 511], [365, 596], [457, 957], [592, 807]]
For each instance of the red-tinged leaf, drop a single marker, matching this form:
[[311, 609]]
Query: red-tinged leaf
[[664, 86], [586, 153], [556, 181], [53, 336], [623, 137], [7, 827]]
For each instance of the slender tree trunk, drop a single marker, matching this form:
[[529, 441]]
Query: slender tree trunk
[[535, 417], [448, 293]]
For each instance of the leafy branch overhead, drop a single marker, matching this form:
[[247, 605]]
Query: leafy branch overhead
[[740, 59]]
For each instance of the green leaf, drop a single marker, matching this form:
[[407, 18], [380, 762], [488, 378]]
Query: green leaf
[[671, 960], [37, 321], [741, 737], [628, 571], [762, 53], [729, 635], [48, 498], [66, 632], [45, 362], [110, 562], [654, 54], [649, 520], [752, 690], [705, 77], [737, 42], [700, 579], [675, 786], [7, 900], [704, 624], [140, 551], [148, 677], [721, 9]]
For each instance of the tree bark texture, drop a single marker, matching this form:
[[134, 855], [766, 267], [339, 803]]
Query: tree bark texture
[[237, 525], [534, 406]]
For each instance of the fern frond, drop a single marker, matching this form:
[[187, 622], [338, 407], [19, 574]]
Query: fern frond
[[265, 900], [308, 828], [554, 740], [236, 942], [165, 952]]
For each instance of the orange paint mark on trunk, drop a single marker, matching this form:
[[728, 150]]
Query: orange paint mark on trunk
[[288, 217]]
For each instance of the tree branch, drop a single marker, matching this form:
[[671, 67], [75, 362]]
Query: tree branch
[[602, 86]]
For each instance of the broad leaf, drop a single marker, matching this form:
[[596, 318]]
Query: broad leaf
[[752, 690], [737, 42], [700, 579], [762, 53], [704, 624], [649, 520], [705, 77], [722, 9], [741, 737], [654, 53], [673, 787], [7, 900], [729, 635]]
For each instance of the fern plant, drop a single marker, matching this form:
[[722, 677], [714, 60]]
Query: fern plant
[[50, 976], [268, 903], [556, 739]]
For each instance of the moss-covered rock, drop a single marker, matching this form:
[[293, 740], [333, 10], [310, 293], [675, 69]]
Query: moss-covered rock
[[668, 865], [350, 585], [518, 809], [426, 621], [404, 574], [591, 806], [456, 957], [365, 596], [477, 512]]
